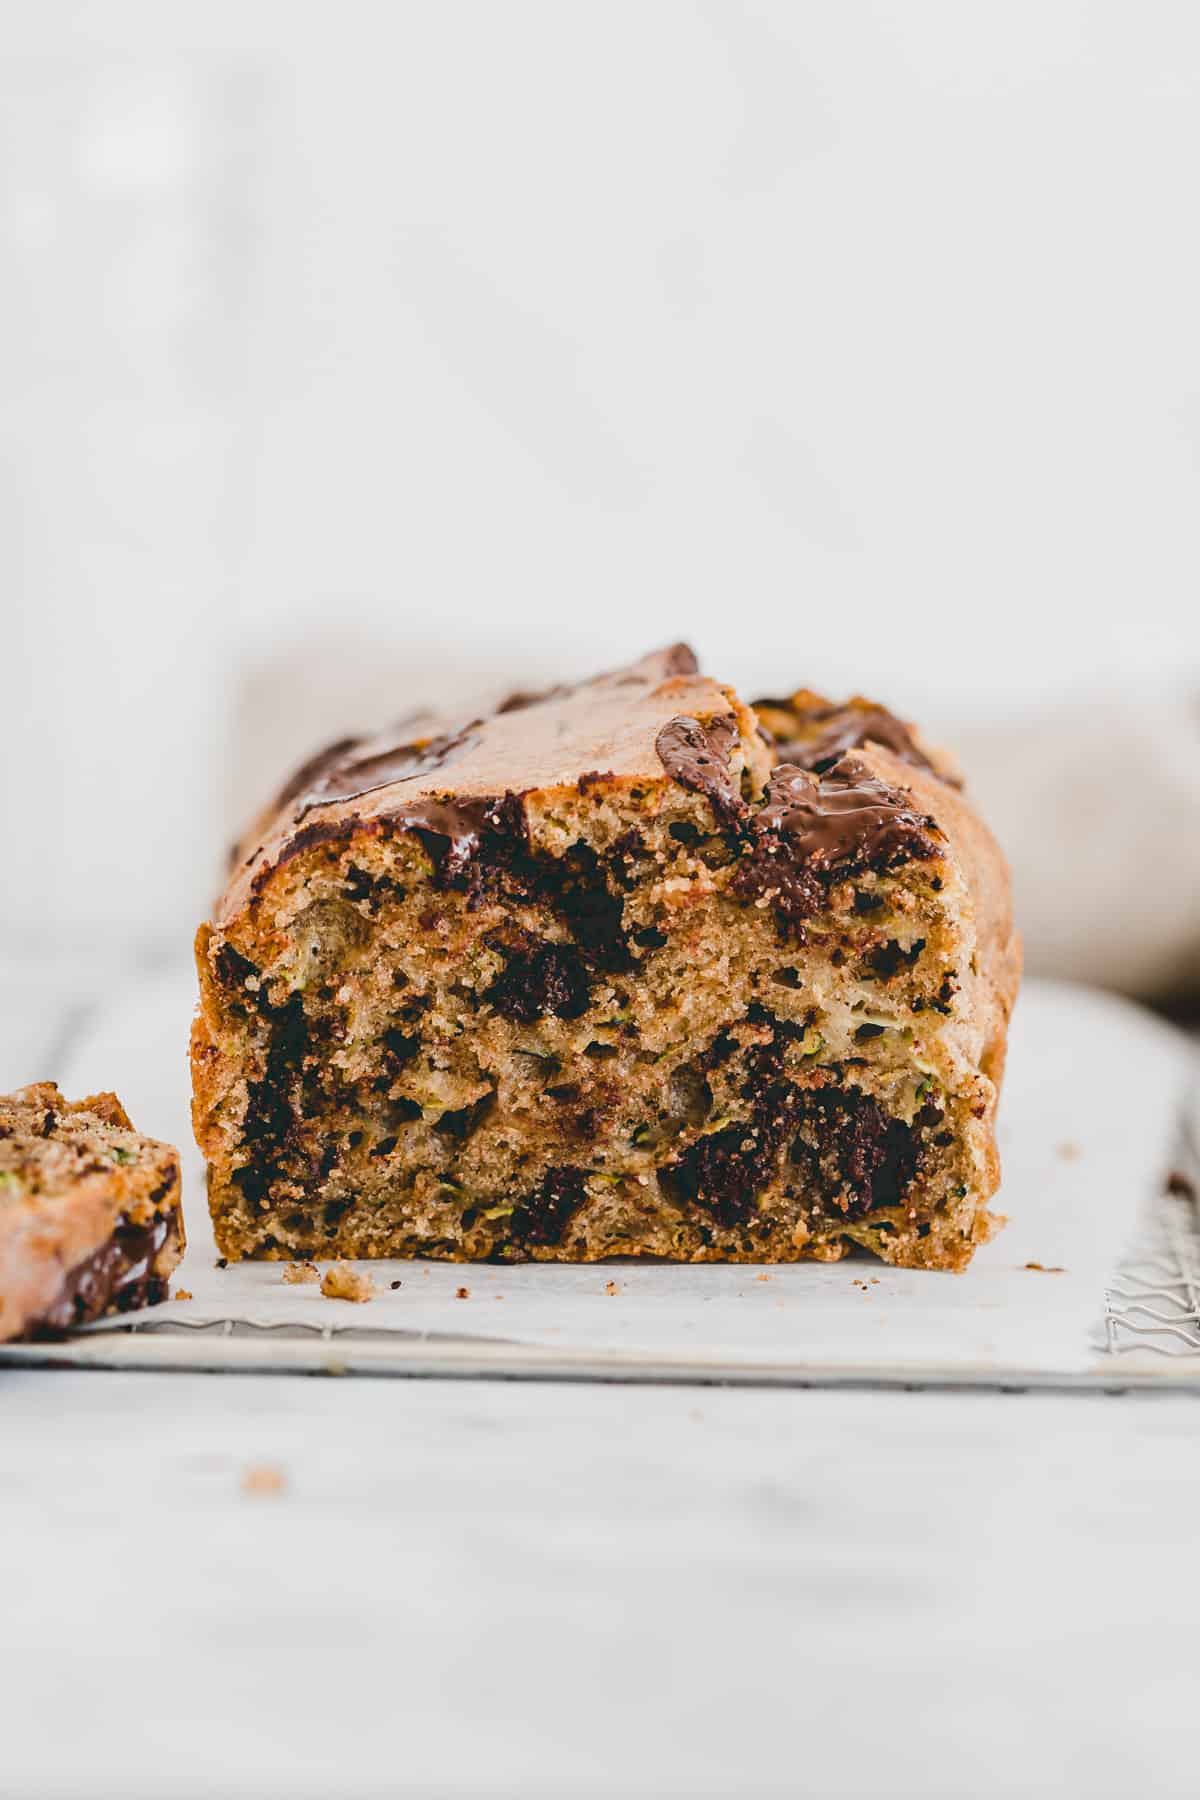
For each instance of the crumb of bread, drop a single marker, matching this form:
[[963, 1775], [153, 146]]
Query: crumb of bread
[[1070, 1152], [762, 1278], [182, 1294], [462, 1293], [610, 1287], [294, 1273], [1047, 1268], [343, 1283], [263, 1478]]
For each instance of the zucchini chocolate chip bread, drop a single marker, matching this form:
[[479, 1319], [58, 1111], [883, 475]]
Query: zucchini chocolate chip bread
[[603, 973], [90, 1221]]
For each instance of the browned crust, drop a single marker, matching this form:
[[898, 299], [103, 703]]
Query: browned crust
[[606, 729]]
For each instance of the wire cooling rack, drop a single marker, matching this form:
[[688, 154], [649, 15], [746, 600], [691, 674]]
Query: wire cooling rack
[[1154, 1300]]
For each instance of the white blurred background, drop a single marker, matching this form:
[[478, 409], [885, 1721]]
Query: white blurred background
[[352, 353]]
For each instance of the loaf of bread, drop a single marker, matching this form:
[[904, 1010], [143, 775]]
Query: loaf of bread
[[90, 1221], [618, 969]]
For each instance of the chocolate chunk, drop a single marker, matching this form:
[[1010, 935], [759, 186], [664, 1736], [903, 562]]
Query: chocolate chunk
[[697, 757], [540, 978], [456, 834], [545, 1215], [720, 1171], [578, 885], [890, 958], [845, 818], [120, 1273], [272, 1102], [859, 1157], [723, 1170], [815, 829], [451, 830], [233, 970], [400, 1046]]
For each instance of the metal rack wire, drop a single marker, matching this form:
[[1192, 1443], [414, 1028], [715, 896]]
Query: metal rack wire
[[1153, 1302]]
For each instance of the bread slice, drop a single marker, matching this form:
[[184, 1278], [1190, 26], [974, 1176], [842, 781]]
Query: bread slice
[[597, 974], [90, 1219]]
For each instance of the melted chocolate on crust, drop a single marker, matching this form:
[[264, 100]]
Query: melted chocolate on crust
[[361, 766], [119, 1275], [457, 828], [813, 828], [697, 757], [844, 815], [454, 827], [845, 728], [453, 832], [311, 773]]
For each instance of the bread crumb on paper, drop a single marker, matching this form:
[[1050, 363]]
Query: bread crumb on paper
[[462, 1293], [610, 1287], [1047, 1268], [341, 1282], [297, 1272], [263, 1480], [182, 1294]]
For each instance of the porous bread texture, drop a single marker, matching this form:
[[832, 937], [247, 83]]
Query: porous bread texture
[[600, 1038], [73, 1173]]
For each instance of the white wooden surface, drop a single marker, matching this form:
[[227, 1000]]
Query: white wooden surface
[[478, 1589], [486, 1588]]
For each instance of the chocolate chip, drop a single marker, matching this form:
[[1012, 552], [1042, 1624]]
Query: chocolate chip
[[697, 757], [545, 1215], [540, 978], [650, 938], [812, 831], [401, 1048], [890, 958]]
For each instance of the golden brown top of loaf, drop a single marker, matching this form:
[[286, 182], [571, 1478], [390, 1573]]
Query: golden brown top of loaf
[[447, 775]]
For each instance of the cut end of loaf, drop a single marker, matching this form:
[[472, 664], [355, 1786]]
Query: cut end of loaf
[[686, 1007]]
